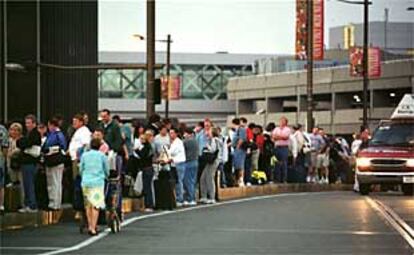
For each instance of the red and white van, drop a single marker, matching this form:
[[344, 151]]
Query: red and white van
[[389, 157]]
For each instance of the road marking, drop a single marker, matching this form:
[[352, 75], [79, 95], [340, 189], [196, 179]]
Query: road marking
[[306, 231], [127, 222], [393, 219], [32, 248]]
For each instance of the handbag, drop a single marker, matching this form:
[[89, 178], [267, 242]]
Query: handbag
[[56, 156], [209, 156], [15, 160], [33, 151]]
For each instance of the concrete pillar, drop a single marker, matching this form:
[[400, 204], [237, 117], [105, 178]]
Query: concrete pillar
[[275, 105]]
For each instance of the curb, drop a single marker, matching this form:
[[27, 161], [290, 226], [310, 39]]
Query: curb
[[11, 221]]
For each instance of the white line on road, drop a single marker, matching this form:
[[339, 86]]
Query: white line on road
[[127, 222], [32, 248], [393, 219], [306, 231]]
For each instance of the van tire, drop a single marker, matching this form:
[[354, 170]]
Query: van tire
[[364, 189], [408, 189]]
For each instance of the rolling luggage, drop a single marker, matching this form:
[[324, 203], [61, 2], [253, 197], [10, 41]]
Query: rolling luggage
[[164, 189]]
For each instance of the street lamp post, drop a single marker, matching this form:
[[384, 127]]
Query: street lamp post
[[167, 99], [366, 4], [309, 53], [150, 57], [168, 41]]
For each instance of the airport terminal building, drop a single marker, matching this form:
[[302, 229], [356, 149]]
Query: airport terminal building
[[202, 80], [337, 96]]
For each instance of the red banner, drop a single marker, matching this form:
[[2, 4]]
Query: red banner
[[374, 62], [302, 30], [356, 61], [171, 88]]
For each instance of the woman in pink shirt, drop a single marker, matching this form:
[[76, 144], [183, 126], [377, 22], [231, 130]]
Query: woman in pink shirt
[[280, 137]]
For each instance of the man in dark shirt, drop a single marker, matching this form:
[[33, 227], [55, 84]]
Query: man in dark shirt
[[29, 145]]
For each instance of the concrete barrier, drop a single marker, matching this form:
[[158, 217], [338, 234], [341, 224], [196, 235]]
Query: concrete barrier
[[67, 214]]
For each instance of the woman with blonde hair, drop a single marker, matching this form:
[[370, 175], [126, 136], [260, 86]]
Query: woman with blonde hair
[[13, 164], [145, 154]]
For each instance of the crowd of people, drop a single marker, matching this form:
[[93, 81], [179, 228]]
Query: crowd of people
[[199, 159]]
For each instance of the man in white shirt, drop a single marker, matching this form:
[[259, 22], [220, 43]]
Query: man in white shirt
[[162, 139], [80, 139], [177, 155]]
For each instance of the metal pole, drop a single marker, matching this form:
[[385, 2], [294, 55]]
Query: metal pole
[[38, 60], [365, 79], [386, 12], [150, 56], [5, 56], [309, 87], [167, 99]]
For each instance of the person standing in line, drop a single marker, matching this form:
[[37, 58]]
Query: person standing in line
[[4, 143], [162, 140], [81, 139], [202, 138], [146, 154], [177, 160], [94, 169], [191, 167], [299, 162], [281, 137], [13, 164], [207, 184], [29, 146], [54, 145], [239, 144], [317, 144], [223, 159]]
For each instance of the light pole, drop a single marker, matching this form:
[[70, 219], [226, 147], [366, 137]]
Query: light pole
[[168, 41], [366, 4], [150, 57], [309, 54]]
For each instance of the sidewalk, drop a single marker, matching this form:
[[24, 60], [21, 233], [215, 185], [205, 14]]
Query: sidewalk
[[67, 214]]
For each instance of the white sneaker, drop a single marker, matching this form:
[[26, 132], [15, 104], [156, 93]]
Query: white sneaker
[[2, 208], [308, 179], [248, 184], [23, 210], [149, 210], [29, 210], [241, 184], [203, 200], [186, 203], [192, 203], [179, 204], [211, 201]]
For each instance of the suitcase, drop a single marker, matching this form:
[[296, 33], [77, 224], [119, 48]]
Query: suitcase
[[164, 189]]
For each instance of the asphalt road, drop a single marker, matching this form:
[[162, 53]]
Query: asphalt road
[[308, 223]]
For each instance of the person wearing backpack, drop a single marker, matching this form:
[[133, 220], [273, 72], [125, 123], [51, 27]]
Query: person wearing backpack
[[212, 154]]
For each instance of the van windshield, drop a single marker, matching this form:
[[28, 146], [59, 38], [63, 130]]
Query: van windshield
[[394, 134]]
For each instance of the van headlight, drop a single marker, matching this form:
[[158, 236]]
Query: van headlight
[[410, 163], [363, 162]]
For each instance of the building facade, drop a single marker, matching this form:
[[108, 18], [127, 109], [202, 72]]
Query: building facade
[[394, 37], [202, 82], [337, 96]]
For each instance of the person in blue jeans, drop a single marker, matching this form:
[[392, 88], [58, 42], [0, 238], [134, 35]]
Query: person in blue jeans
[[281, 137], [29, 145], [191, 167], [177, 160]]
